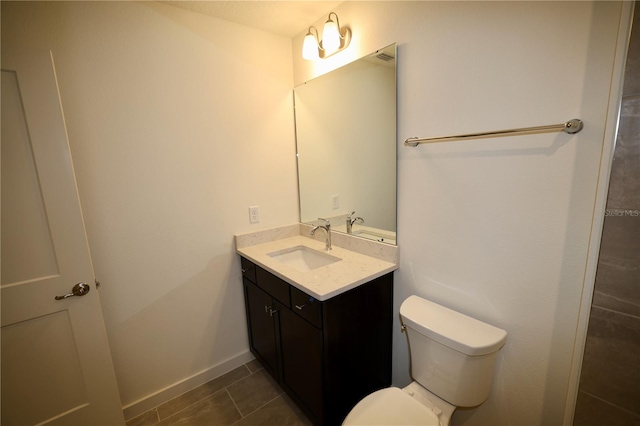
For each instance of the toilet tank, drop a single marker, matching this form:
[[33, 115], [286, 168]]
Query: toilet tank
[[452, 354]]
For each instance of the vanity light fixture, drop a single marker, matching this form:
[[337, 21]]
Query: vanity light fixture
[[334, 39]]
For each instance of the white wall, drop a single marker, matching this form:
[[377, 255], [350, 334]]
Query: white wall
[[498, 229], [177, 123]]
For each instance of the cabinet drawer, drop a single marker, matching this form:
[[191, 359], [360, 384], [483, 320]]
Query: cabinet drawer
[[306, 306], [248, 269], [274, 286]]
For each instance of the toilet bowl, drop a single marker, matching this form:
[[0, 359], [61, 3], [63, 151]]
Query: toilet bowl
[[452, 359]]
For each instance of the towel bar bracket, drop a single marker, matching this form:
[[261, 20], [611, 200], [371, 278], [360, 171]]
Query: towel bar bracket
[[573, 126]]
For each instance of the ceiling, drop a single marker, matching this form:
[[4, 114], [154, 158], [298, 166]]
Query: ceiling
[[285, 18]]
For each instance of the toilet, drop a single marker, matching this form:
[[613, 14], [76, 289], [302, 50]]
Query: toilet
[[452, 359]]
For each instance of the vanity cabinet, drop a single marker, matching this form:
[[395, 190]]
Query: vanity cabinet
[[326, 355]]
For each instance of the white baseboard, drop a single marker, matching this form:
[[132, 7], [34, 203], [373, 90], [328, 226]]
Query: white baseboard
[[163, 395]]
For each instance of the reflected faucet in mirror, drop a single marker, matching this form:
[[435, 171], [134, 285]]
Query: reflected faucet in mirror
[[351, 221], [327, 228]]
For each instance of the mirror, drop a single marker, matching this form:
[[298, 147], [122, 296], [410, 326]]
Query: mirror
[[346, 142]]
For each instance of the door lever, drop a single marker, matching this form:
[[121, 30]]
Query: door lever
[[79, 289]]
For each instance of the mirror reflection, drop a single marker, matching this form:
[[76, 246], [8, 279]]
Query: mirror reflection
[[346, 142]]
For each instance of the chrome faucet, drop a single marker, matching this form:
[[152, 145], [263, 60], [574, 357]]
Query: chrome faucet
[[326, 227], [350, 221]]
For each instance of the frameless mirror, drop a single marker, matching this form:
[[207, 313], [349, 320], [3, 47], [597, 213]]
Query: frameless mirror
[[346, 142]]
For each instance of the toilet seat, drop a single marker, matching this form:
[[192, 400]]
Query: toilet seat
[[391, 406]]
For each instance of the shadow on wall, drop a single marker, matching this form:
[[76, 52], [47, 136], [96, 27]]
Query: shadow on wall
[[162, 348]]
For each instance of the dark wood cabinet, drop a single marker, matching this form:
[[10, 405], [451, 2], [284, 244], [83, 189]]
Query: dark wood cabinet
[[326, 355], [301, 346], [262, 327]]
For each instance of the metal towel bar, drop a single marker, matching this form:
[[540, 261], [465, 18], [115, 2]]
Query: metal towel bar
[[571, 126]]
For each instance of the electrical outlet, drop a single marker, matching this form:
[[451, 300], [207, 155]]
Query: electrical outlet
[[254, 214], [335, 201]]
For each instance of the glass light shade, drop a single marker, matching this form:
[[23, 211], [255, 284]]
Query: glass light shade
[[330, 37], [310, 47]]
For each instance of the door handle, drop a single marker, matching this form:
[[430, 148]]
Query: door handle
[[79, 289]]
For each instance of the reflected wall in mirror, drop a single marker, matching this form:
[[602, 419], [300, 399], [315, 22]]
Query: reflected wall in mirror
[[346, 142]]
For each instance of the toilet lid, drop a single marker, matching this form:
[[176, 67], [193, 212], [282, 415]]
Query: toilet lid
[[390, 406]]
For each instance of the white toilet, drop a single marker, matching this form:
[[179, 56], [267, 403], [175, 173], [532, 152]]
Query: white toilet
[[452, 358]]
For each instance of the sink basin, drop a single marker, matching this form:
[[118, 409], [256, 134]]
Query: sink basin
[[303, 258]]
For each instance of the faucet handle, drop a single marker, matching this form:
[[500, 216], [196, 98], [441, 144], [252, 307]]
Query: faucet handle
[[351, 214]]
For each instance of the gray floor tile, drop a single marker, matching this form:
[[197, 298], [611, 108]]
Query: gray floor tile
[[631, 80], [149, 418], [610, 368], [254, 365], [624, 184], [591, 411], [173, 406], [247, 391], [618, 272], [254, 391], [281, 412], [217, 409]]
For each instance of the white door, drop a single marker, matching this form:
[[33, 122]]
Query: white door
[[56, 364]]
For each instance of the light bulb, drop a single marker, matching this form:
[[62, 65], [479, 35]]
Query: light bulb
[[330, 37], [310, 47]]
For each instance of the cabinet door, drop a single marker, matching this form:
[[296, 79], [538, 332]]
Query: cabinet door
[[262, 330], [302, 360]]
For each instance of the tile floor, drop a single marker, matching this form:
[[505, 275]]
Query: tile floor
[[244, 396]]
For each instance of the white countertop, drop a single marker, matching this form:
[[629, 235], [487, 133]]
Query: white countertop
[[352, 270]]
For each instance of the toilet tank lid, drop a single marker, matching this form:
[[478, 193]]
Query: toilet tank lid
[[448, 327]]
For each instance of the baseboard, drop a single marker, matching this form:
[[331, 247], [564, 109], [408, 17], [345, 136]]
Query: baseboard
[[163, 395]]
